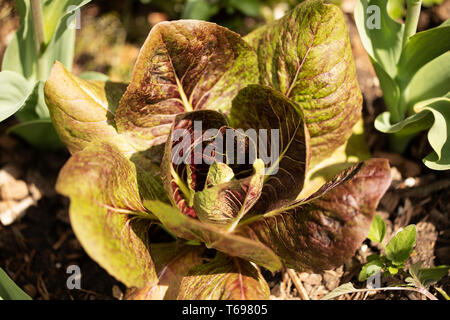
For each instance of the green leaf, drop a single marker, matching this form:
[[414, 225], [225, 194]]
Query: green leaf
[[422, 48], [183, 66], [224, 278], [428, 276], [58, 14], [219, 173], [21, 55], [383, 42], [227, 203], [431, 81], [409, 126], [307, 56], [324, 230], [396, 8], [173, 261], [95, 76], [339, 291], [390, 89], [83, 111], [39, 133], [402, 245], [250, 8], [377, 229], [230, 243], [9, 290], [259, 108], [443, 293], [104, 209], [369, 269], [432, 114], [392, 270], [14, 91], [438, 135], [199, 10]]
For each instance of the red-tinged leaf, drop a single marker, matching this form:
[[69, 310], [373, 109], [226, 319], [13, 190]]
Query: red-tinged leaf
[[104, 197], [173, 261], [227, 203], [183, 66], [261, 108], [307, 56], [180, 172], [83, 111], [224, 278], [324, 230], [232, 244]]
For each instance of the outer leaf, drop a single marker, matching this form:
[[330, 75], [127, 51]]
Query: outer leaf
[[224, 278], [325, 230], [402, 245], [101, 184], [262, 108], [9, 290], [307, 56], [183, 66], [172, 263], [377, 229], [353, 151], [83, 111], [14, 91], [232, 244]]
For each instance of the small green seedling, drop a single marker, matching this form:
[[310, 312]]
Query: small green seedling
[[412, 69], [392, 262], [9, 290]]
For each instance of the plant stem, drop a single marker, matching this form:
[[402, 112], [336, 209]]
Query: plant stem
[[38, 24], [39, 34], [412, 19], [399, 143]]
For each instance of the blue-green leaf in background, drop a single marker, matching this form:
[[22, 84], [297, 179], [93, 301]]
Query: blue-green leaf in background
[[433, 114], [20, 55], [383, 42], [39, 133], [14, 91], [423, 47], [430, 81]]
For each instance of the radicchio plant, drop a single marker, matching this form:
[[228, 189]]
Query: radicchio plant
[[181, 230]]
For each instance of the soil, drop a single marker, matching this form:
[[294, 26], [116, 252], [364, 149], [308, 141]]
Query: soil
[[37, 248]]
